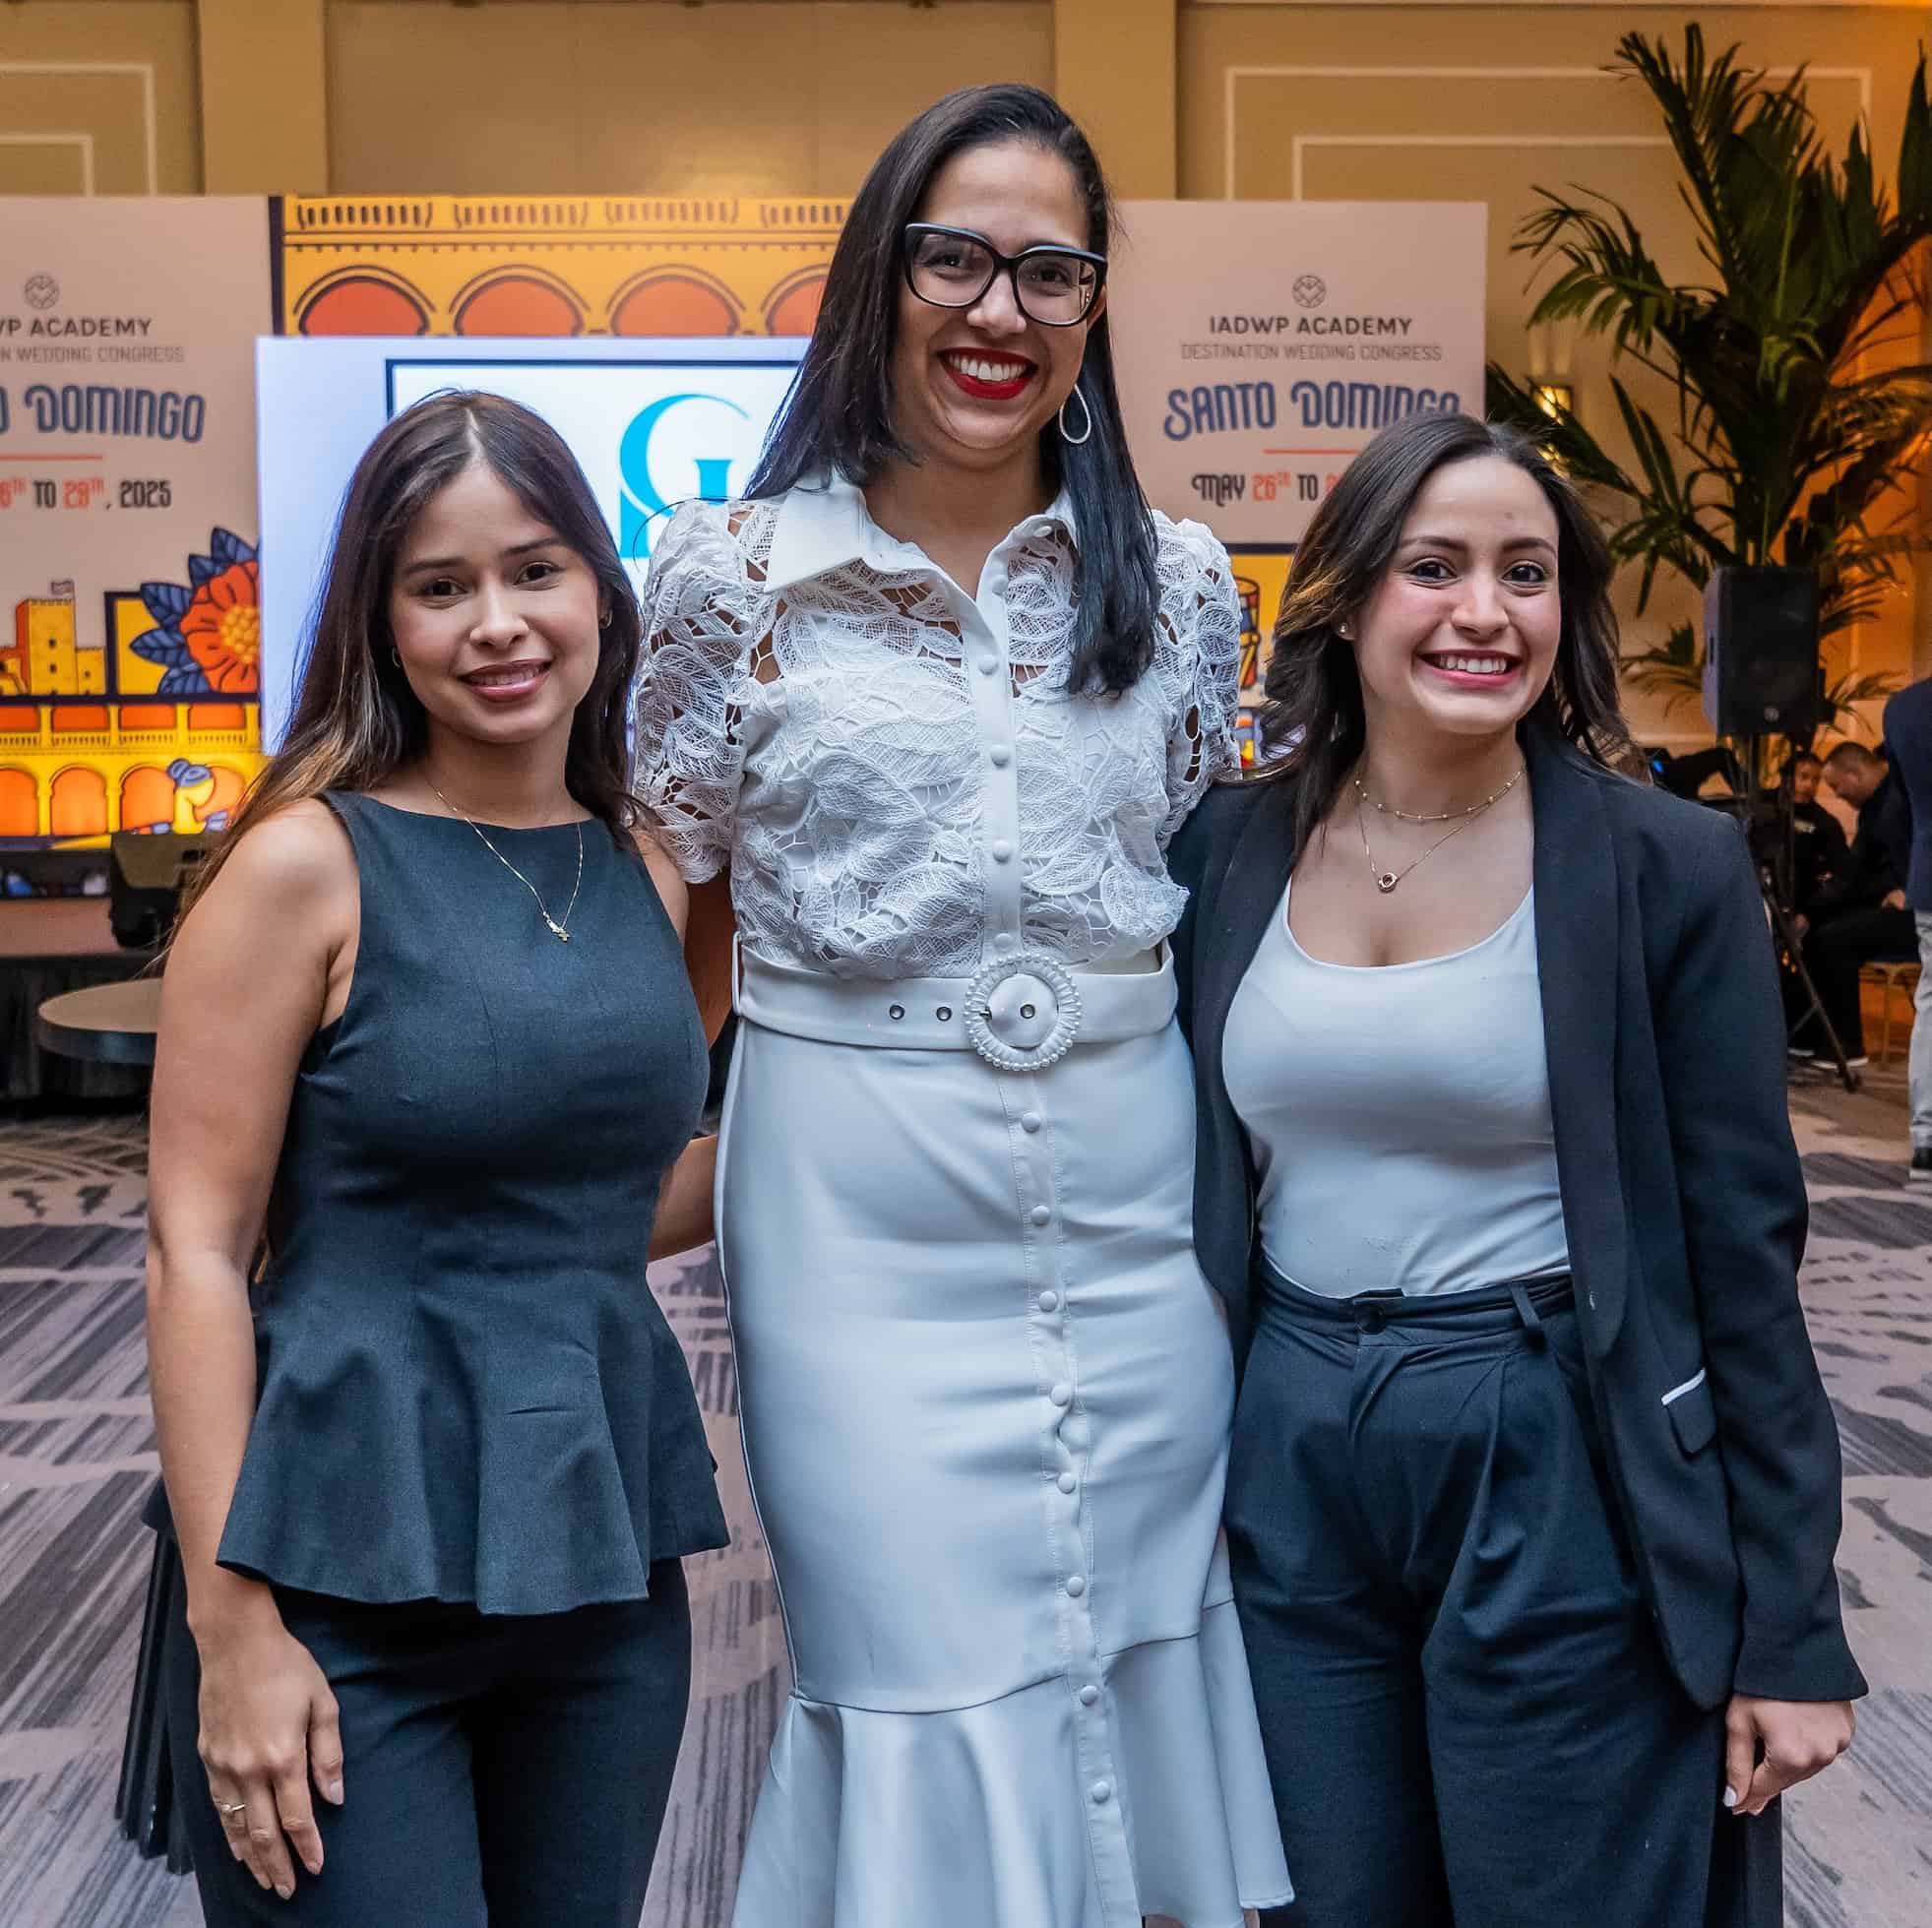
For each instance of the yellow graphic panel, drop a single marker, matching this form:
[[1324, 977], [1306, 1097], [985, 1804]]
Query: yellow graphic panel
[[548, 264], [128, 617], [1260, 575], [45, 656]]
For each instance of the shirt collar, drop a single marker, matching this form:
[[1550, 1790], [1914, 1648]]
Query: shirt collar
[[824, 524]]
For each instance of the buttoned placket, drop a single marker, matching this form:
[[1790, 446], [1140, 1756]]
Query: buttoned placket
[[1053, 1310]]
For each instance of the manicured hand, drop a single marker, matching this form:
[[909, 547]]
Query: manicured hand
[[267, 1723], [1799, 1738]]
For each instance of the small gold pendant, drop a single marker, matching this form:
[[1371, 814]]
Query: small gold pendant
[[1385, 881]]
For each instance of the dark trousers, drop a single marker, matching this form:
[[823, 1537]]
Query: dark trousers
[[1467, 1718], [1834, 951], [512, 1771]]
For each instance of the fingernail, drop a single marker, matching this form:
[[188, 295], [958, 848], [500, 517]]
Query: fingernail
[[333, 1790], [1730, 1797], [285, 1892]]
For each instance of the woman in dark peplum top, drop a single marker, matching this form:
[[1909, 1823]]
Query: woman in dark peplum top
[[429, 1070]]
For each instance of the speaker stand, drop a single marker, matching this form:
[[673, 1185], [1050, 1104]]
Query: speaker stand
[[1787, 932]]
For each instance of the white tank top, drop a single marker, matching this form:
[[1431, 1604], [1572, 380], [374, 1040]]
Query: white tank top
[[1399, 1115]]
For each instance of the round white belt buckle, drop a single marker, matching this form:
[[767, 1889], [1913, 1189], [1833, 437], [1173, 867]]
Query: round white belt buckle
[[1023, 1013]]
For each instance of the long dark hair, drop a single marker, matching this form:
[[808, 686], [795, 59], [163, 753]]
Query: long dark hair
[[357, 722], [1314, 691], [839, 415]]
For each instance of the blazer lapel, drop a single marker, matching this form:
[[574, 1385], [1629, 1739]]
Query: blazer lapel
[[1576, 952], [1238, 904]]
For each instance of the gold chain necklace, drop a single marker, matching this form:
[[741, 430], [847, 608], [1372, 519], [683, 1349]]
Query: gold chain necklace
[[1411, 817], [1387, 880], [557, 930]]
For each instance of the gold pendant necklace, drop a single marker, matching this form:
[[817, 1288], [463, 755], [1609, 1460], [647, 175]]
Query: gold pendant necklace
[[559, 931], [1387, 880]]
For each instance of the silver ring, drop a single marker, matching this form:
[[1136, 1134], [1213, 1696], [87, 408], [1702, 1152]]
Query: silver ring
[[237, 1807]]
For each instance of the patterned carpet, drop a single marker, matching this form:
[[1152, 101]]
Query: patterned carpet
[[76, 1461], [77, 1458]]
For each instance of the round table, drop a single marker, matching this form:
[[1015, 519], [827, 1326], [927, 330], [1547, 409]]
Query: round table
[[110, 1024]]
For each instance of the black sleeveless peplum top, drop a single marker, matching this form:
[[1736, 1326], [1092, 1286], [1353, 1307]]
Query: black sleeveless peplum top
[[467, 1390]]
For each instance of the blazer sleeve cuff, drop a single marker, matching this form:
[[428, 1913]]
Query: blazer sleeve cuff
[[1814, 1666]]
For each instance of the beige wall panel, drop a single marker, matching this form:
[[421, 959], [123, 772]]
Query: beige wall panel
[[1496, 134], [265, 115], [45, 163], [777, 99], [1216, 39], [1114, 73], [144, 116]]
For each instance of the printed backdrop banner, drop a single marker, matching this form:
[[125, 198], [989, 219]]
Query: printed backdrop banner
[[129, 631], [1260, 344]]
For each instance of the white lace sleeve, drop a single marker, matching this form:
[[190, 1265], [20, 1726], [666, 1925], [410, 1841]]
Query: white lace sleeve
[[1201, 624], [703, 615]]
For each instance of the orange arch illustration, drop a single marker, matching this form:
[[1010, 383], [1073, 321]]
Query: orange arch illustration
[[792, 307], [518, 302], [19, 805], [146, 799], [79, 803], [362, 303], [679, 301]]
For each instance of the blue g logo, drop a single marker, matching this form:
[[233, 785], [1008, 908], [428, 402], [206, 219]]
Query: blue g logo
[[706, 475]]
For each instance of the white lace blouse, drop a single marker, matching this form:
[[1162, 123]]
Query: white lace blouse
[[809, 713]]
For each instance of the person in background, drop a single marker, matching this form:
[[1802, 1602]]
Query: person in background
[[1908, 747], [1818, 844], [1534, 1492], [1860, 912], [428, 1068], [937, 694]]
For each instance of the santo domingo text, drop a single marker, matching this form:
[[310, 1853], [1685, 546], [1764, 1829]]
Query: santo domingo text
[[95, 408]]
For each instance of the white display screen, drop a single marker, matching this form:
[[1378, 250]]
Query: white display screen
[[650, 434], [652, 422]]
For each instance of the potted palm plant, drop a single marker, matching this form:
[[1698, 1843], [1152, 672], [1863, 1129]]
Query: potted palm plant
[[1792, 416]]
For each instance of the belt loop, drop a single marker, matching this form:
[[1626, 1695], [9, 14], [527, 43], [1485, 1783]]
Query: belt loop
[[1533, 1327]]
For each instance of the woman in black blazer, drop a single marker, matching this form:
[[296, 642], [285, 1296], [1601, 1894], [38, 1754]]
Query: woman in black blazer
[[1534, 1489]]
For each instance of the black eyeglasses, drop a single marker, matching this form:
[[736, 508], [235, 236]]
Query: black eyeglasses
[[952, 268]]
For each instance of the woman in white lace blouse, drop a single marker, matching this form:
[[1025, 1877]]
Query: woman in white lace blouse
[[937, 695]]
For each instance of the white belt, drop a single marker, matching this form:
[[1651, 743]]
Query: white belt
[[1021, 1014]]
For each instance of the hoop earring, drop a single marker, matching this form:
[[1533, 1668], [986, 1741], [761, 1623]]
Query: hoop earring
[[1086, 414], [396, 656]]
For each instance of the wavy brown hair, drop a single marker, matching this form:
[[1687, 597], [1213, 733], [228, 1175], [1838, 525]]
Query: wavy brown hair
[[1314, 691], [357, 722]]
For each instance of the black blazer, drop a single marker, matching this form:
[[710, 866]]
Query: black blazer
[[1682, 1196], [1909, 744]]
